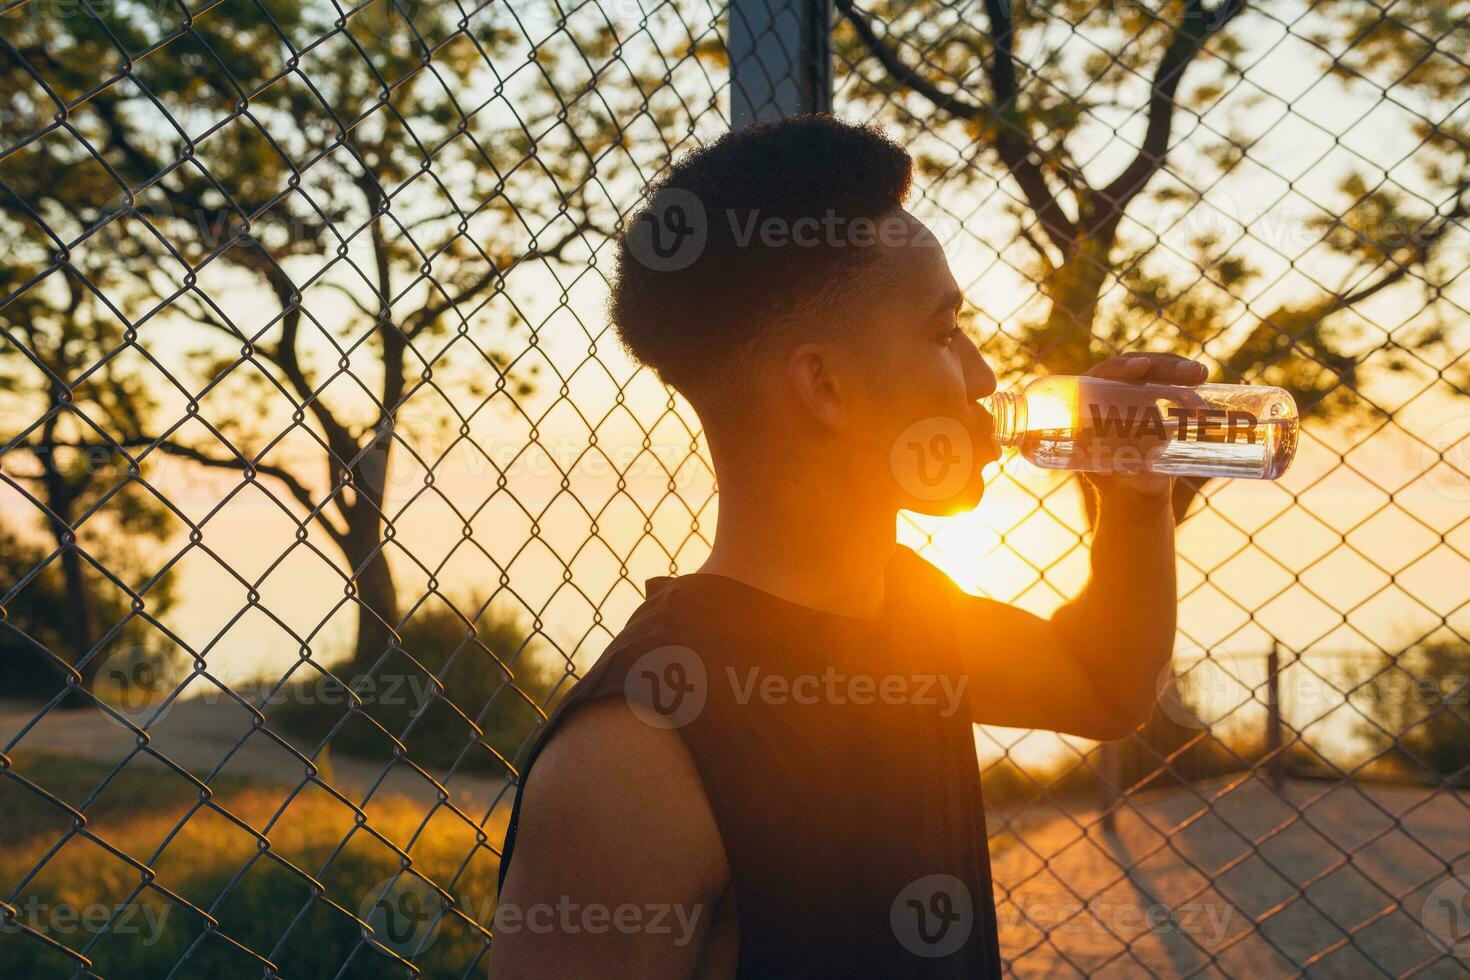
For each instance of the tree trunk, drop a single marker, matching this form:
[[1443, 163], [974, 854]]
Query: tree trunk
[[1064, 346], [377, 596], [77, 626], [80, 634]]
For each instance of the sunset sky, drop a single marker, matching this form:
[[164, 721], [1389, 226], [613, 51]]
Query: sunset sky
[[1361, 546]]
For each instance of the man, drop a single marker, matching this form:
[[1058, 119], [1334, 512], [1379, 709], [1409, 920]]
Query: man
[[771, 771]]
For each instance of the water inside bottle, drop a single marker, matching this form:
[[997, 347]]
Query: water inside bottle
[[1081, 448]]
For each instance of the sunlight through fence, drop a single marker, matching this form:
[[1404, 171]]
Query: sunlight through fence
[[323, 476]]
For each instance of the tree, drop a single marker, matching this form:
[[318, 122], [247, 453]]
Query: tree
[[76, 605], [334, 202], [959, 77], [41, 614], [1008, 87], [1414, 709]]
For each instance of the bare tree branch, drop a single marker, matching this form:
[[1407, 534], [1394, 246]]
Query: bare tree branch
[[1036, 246], [286, 357], [1013, 142], [424, 317], [293, 486], [1199, 25], [1427, 237], [284, 476], [349, 294]]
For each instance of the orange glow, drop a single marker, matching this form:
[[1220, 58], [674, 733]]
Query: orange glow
[[1052, 409]]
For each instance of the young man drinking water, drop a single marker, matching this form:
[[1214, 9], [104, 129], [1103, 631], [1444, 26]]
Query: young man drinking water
[[771, 770]]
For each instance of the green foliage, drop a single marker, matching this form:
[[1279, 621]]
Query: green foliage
[[321, 181], [269, 907], [1416, 710], [441, 680], [1084, 75], [37, 614]]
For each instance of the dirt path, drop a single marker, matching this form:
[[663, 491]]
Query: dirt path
[[202, 735], [1232, 879], [1228, 879]]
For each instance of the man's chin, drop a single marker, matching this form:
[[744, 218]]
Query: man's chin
[[959, 503]]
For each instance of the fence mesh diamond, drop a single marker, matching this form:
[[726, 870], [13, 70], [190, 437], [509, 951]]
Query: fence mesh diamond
[[323, 476]]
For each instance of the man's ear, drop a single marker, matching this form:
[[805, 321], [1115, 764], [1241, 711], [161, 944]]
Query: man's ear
[[815, 385]]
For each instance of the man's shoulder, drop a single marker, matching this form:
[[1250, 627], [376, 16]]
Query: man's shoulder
[[602, 749], [673, 616], [598, 742], [920, 590], [907, 567], [615, 813]]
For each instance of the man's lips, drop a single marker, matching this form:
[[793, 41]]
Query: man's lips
[[988, 449]]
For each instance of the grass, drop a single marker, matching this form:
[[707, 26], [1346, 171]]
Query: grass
[[400, 696], [292, 903]]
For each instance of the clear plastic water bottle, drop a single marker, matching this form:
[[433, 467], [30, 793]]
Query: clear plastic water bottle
[[1062, 422]]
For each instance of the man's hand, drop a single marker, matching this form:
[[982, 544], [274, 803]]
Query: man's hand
[[1092, 668], [1170, 369]]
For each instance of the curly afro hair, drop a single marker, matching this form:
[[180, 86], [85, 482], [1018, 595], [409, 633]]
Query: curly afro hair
[[697, 285]]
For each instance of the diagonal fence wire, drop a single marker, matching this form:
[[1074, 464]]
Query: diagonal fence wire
[[368, 203], [324, 477], [1253, 206]]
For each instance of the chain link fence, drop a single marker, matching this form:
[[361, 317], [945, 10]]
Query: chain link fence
[[323, 476]]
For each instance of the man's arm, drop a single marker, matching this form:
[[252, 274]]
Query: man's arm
[[618, 861], [1092, 669]]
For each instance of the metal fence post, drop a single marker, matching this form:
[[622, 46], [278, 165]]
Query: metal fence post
[[780, 59], [1275, 761], [1109, 792], [208, 730]]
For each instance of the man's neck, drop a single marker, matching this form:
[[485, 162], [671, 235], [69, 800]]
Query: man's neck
[[804, 547]]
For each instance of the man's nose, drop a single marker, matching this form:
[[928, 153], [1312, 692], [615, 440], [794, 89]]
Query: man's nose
[[980, 377]]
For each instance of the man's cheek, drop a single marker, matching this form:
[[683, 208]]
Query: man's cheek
[[935, 458]]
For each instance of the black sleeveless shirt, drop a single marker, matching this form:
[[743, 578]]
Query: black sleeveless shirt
[[839, 760]]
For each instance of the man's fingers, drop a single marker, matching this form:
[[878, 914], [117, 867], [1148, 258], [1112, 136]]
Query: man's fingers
[[1182, 369], [1165, 368], [1121, 368]]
